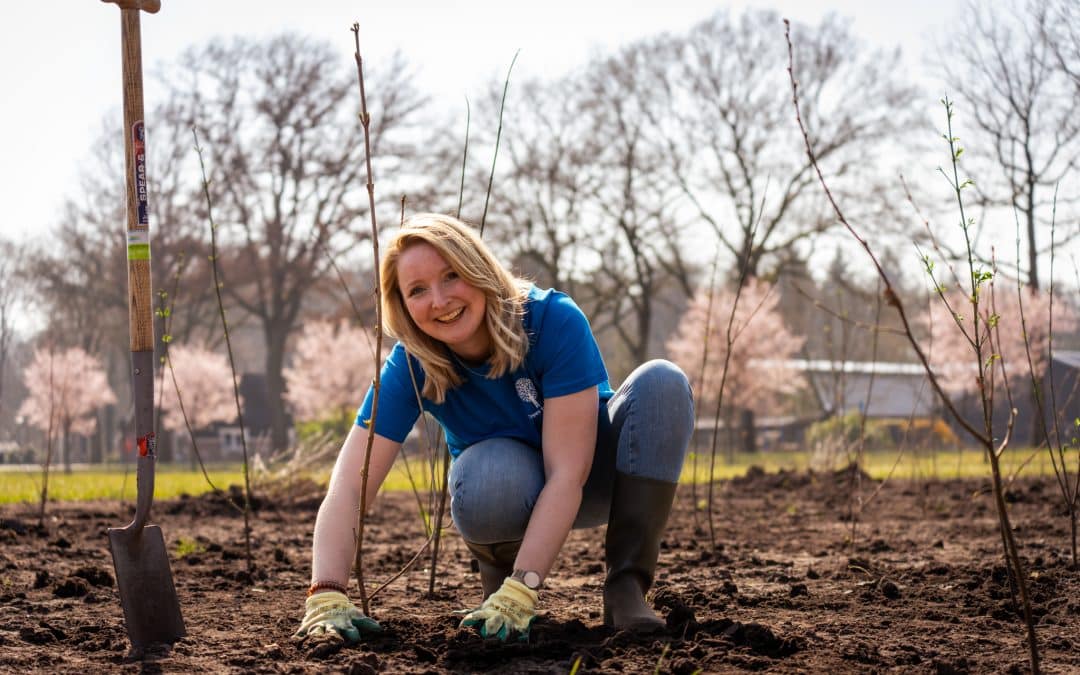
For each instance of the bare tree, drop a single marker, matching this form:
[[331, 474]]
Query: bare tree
[[1004, 69], [733, 148], [285, 156], [82, 285], [635, 231], [1063, 32], [544, 180]]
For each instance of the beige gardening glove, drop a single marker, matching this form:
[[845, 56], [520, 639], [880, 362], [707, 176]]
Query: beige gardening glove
[[507, 611], [332, 612]]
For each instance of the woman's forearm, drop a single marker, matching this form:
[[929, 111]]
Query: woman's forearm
[[334, 545], [551, 520]]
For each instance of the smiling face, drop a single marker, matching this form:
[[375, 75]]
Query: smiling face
[[442, 304]]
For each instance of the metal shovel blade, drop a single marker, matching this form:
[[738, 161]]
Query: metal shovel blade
[[147, 593]]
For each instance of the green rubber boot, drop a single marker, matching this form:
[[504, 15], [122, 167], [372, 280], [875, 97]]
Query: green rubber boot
[[496, 562], [639, 513]]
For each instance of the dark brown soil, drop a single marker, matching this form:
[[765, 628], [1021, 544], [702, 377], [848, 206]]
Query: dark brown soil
[[923, 590]]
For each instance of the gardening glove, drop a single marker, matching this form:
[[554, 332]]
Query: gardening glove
[[331, 612], [509, 610]]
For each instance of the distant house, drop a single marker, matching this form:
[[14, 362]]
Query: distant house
[[222, 442], [1065, 380], [874, 389]]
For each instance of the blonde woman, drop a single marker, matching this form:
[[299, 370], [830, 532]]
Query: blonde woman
[[540, 442]]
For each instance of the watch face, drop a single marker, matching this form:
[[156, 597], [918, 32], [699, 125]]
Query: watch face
[[530, 578]]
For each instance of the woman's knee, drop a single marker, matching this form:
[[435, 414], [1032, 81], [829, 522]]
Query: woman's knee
[[664, 385], [655, 415], [494, 485]]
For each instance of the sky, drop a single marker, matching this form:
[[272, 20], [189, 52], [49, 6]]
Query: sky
[[61, 61], [61, 76]]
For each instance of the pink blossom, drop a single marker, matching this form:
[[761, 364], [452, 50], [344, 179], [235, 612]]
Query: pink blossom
[[952, 355], [206, 389], [69, 385], [331, 369], [757, 374]]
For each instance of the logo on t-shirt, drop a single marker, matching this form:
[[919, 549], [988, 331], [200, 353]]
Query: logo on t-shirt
[[526, 391]]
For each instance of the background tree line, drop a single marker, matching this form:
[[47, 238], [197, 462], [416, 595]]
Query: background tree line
[[620, 182]]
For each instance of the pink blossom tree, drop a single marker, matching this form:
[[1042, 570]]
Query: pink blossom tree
[[758, 376], [332, 366], [206, 392], [65, 389], [949, 327]]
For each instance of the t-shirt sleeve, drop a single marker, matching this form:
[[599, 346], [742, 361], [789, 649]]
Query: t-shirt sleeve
[[568, 358], [398, 408]]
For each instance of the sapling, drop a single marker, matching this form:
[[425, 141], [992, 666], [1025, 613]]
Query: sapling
[[981, 340], [48, 445], [444, 483], [365, 122], [495, 154], [228, 348], [165, 313], [701, 375], [1057, 442], [753, 350]]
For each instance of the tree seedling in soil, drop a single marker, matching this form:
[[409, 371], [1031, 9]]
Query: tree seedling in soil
[[228, 347], [982, 342]]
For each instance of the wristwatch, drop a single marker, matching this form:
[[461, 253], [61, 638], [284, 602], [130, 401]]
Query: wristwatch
[[530, 578]]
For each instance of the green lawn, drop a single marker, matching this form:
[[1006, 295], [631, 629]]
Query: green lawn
[[118, 482], [921, 464]]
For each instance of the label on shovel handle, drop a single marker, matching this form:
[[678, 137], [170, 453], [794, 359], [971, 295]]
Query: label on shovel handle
[[138, 147], [147, 445]]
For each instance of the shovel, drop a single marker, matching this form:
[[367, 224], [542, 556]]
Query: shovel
[[147, 594]]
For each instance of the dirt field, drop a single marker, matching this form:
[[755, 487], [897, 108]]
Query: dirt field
[[922, 591]]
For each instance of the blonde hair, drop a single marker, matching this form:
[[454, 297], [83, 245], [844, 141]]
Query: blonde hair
[[468, 255]]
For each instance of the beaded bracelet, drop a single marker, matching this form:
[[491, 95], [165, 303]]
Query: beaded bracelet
[[327, 586]]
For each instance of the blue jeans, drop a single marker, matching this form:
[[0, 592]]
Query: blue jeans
[[644, 430]]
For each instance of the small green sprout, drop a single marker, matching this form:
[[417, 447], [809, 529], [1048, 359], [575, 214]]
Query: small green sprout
[[186, 547]]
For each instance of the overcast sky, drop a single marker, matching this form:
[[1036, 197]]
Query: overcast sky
[[61, 60]]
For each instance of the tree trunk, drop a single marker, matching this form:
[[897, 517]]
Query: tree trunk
[[747, 431], [109, 430], [96, 442], [275, 388], [66, 448]]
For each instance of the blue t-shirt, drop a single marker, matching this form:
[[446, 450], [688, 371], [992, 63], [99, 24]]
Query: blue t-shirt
[[563, 358]]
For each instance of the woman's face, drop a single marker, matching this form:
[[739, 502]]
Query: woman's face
[[442, 304]]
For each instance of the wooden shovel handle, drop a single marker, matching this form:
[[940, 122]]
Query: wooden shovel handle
[[148, 6], [140, 297]]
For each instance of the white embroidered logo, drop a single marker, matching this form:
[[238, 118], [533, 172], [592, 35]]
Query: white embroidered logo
[[526, 391]]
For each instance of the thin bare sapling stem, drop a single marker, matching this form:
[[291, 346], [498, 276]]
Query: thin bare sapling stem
[[165, 313], [50, 431], [1068, 483], [729, 338], [443, 483], [701, 377], [440, 489], [855, 500], [498, 137], [365, 122], [228, 348], [977, 278]]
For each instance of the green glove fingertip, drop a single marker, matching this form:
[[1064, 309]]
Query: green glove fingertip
[[366, 624], [351, 635]]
